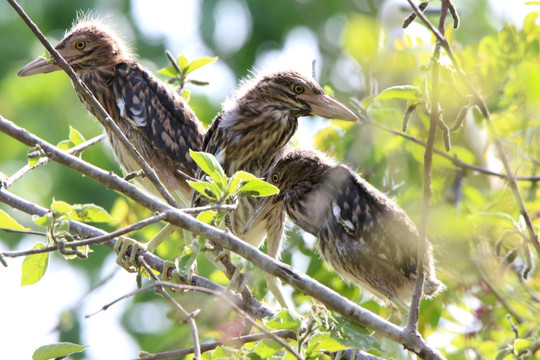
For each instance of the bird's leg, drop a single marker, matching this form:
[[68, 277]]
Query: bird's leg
[[122, 246], [160, 237], [274, 236], [403, 310]]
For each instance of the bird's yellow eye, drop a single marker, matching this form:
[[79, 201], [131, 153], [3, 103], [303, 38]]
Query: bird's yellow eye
[[299, 89], [275, 177], [79, 45]]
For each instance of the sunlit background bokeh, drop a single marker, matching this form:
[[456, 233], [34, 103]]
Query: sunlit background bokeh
[[311, 35]]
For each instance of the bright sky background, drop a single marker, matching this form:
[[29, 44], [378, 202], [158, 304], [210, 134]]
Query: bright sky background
[[28, 314]]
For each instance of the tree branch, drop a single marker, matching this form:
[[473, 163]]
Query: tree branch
[[228, 241], [533, 237], [412, 324], [235, 342], [453, 159], [258, 310]]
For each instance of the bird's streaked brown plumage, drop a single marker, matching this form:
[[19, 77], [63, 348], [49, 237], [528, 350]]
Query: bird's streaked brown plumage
[[255, 126], [155, 119], [251, 134], [366, 237]]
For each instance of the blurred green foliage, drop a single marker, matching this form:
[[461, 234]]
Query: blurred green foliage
[[475, 226]]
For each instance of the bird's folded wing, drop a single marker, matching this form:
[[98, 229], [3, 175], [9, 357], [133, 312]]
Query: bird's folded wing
[[366, 213], [161, 116]]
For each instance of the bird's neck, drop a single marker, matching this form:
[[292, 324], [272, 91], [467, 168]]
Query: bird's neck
[[257, 134], [99, 82]]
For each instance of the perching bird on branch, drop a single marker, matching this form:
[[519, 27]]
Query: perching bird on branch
[[251, 133], [366, 237], [154, 118]]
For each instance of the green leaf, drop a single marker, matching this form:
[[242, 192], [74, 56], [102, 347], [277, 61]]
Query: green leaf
[[58, 350], [502, 354], [203, 187], [351, 334], [61, 207], [284, 320], [90, 213], [258, 187], [34, 266], [32, 161], [75, 136], [183, 63], [207, 216], [45, 220], [406, 92], [198, 63], [7, 222], [522, 344], [65, 145], [238, 178], [185, 261], [324, 343], [266, 348], [169, 71], [208, 163]]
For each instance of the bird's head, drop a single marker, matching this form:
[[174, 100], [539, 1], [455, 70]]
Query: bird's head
[[292, 95], [299, 168], [296, 168], [90, 45]]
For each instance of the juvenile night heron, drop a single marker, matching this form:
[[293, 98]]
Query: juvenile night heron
[[366, 237], [156, 120], [251, 134], [153, 117]]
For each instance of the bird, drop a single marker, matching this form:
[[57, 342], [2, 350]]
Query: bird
[[154, 118], [152, 115], [252, 132], [365, 236]]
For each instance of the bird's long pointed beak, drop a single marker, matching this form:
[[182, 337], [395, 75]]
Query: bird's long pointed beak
[[265, 206], [43, 66], [323, 105]]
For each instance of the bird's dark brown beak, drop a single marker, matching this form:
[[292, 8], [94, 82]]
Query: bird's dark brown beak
[[42, 66], [323, 105], [265, 206]]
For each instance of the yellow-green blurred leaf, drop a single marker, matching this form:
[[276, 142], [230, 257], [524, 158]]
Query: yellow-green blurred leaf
[[34, 266], [7, 222], [57, 351]]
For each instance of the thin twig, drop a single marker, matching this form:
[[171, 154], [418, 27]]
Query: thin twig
[[186, 316], [255, 308], [221, 295], [26, 169], [533, 237], [304, 283], [454, 159], [91, 241], [434, 120], [234, 342], [226, 207], [89, 98], [23, 232], [495, 292]]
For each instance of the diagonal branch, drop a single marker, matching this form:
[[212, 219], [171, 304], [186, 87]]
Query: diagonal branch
[[456, 161], [258, 310], [83, 91], [175, 216]]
